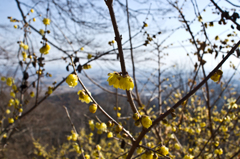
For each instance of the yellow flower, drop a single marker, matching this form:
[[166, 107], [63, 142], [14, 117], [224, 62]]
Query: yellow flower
[[202, 124], [14, 87], [218, 151], [82, 48], [118, 114], [76, 147], [34, 19], [83, 96], [110, 135], [140, 150], [136, 116], [45, 49], [10, 81], [89, 56], [5, 135], [32, 94], [118, 128], [10, 120], [8, 111], [102, 127], [87, 66], [74, 136], [3, 79], [163, 150], [11, 102], [146, 121], [126, 83], [198, 130], [224, 128], [232, 103], [41, 31], [93, 108], [91, 124], [25, 47], [20, 110], [217, 75], [15, 26], [216, 143], [147, 155], [46, 21], [50, 90], [69, 137], [24, 55], [16, 102], [87, 156], [72, 80], [12, 94], [114, 79], [98, 147], [177, 146]]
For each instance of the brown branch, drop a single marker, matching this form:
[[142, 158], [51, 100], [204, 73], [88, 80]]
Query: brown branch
[[132, 58], [120, 50]]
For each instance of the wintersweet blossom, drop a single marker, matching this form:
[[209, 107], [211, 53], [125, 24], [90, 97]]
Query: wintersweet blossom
[[93, 108], [118, 81], [217, 75], [46, 21], [146, 121], [126, 83], [45, 49], [83, 96], [163, 150], [72, 80]]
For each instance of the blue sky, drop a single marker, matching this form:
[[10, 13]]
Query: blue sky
[[177, 54]]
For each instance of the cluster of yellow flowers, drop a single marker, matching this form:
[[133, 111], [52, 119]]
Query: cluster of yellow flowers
[[77, 148], [83, 96], [218, 151], [119, 81], [102, 127], [73, 137], [148, 155], [22, 45], [9, 81]]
